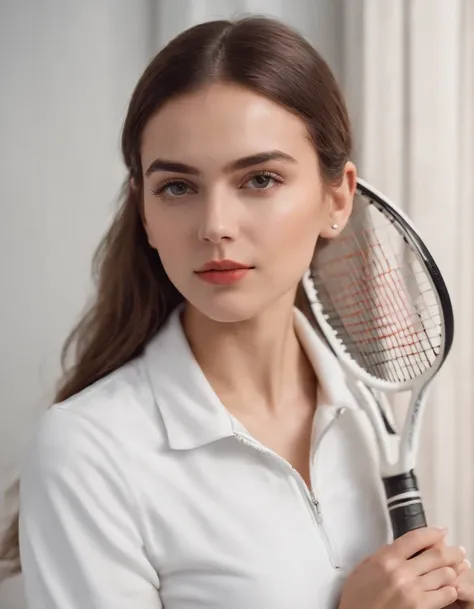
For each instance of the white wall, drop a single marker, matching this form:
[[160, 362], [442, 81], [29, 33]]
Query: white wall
[[319, 20], [67, 70]]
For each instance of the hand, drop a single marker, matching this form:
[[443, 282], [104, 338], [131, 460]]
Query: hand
[[416, 571]]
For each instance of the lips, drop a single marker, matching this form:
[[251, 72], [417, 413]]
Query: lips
[[223, 272], [222, 265]]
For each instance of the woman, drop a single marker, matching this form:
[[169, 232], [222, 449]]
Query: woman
[[204, 450]]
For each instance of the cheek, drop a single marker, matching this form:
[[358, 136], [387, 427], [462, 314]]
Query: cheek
[[293, 229], [167, 233]]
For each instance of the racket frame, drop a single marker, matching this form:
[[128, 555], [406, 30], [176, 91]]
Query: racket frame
[[398, 453]]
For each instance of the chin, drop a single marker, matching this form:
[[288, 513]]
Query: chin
[[229, 308]]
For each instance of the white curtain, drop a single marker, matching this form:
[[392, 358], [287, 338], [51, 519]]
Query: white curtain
[[408, 74]]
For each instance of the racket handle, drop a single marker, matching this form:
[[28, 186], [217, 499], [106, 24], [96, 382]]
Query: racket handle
[[404, 503]]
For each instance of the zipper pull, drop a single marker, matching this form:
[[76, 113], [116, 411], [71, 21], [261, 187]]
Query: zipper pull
[[315, 502]]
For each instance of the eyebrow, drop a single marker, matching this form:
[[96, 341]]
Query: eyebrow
[[243, 163]]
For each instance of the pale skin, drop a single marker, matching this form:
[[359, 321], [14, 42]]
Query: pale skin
[[266, 213]]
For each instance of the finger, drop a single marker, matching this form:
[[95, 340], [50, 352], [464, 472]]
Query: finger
[[434, 558], [414, 541], [464, 566], [438, 599], [465, 587], [434, 580]]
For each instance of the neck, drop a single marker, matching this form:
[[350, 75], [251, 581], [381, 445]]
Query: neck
[[255, 363]]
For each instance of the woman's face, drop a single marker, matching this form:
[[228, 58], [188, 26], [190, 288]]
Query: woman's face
[[231, 176]]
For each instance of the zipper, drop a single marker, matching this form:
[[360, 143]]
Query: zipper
[[316, 508], [316, 505], [318, 514], [312, 502]]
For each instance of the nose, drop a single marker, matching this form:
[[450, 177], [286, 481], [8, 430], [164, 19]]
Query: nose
[[219, 221]]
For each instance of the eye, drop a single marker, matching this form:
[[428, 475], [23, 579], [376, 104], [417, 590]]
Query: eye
[[264, 180], [173, 189]]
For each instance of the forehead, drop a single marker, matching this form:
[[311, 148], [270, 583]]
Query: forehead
[[220, 123]]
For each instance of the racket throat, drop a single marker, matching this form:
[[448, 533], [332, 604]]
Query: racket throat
[[404, 503]]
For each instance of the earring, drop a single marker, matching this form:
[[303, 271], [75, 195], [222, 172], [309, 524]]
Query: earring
[[334, 226]]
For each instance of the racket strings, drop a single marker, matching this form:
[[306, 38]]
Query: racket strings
[[377, 297]]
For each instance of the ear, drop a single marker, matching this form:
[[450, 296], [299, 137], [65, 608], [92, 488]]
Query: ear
[[340, 202]]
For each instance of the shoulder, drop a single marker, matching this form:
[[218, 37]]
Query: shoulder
[[79, 502], [98, 426], [115, 398], [121, 415]]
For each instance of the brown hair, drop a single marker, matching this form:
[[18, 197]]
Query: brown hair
[[134, 294]]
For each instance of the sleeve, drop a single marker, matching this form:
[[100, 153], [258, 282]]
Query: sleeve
[[80, 540]]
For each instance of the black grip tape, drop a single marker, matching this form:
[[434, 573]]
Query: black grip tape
[[404, 503]]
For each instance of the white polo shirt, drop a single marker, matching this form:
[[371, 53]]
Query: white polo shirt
[[143, 492]]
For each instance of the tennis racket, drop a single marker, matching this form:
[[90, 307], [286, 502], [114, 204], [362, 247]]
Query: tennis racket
[[381, 303]]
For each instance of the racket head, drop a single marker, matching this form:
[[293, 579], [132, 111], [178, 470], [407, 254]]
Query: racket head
[[379, 297]]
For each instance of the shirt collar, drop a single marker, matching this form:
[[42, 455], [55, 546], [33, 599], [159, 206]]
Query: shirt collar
[[192, 413]]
